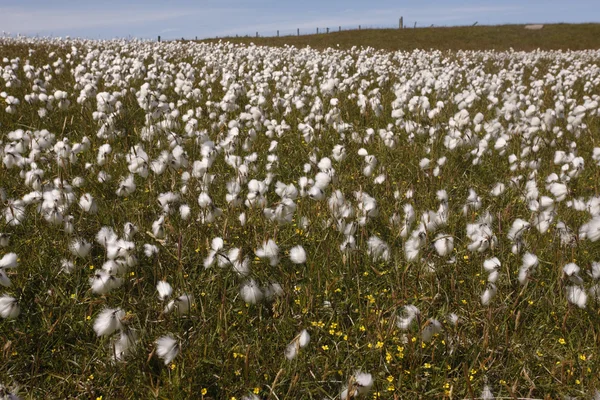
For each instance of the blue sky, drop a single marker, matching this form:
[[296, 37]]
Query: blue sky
[[209, 18]]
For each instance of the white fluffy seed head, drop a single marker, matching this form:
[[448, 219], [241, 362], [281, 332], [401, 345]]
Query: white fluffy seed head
[[167, 348], [298, 255]]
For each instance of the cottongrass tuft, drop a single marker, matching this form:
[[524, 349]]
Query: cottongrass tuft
[[298, 255], [9, 307], [296, 344], [251, 292], [108, 321], [359, 384], [167, 348]]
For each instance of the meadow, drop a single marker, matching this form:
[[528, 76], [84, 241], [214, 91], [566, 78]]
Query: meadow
[[230, 221]]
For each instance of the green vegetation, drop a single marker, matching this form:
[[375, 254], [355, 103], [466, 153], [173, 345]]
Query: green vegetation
[[530, 340], [502, 37]]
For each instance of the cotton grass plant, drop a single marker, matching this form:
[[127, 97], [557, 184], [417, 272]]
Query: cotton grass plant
[[218, 221]]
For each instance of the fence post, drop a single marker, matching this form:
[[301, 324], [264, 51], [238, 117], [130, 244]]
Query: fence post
[[277, 32], [158, 38], [415, 25], [359, 27], [256, 34], [298, 29], [401, 22], [340, 29], [317, 30], [196, 37]]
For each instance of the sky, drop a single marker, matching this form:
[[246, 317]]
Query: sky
[[146, 19]]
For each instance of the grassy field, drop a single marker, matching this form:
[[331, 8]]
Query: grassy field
[[217, 221], [501, 37]]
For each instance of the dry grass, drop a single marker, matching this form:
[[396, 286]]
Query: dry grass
[[502, 37]]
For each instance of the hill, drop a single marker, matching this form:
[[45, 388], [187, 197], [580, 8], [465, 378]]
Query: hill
[[499, 37]]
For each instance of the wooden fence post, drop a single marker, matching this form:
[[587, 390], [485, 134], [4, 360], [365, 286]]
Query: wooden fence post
[[277, 32], [317, 31], [298, 31], [327, 30], [256, 34], [340, 29], [158, 38], [359, 27], [401, 22]]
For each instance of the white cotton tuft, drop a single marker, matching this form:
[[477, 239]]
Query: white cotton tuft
[[433, 327], [164, 290], [184, 212], [577, 295], [364, 381], [488, 294], [410, 313], [595, 272], [304, 338], [298, 255], [150, 250], [9, 261], [487, 394], [80, 248], [491, 264], [122, 346], [181, 305], [444, 244], [108, 321], [250, 292], [102, 282], [9, 307], [167, 348], [269, 250]]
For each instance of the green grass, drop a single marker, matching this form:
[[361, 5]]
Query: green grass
[[528, 342], [501, 37]]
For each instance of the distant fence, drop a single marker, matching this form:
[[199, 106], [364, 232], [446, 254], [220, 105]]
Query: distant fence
[[317, 30]]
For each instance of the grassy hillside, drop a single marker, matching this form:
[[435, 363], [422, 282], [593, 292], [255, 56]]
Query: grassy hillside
[[503, 37]]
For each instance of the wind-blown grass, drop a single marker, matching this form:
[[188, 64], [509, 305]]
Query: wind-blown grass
[[360, 141]]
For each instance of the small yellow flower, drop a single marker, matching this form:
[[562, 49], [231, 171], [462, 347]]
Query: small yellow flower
[[582, 357], [325, 347], [91, 267], [427, 366], [379, 345], [362, 328], [390, 379], [256, 390], [99, 398], [172, 366], [577, 381], [562, 341], [204, 391]]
